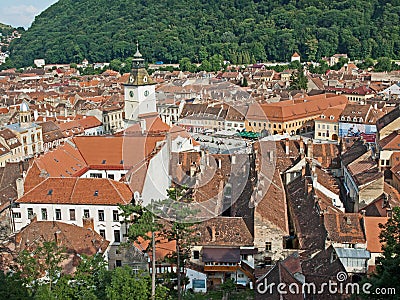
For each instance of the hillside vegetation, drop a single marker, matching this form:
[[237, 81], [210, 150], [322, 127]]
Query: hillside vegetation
[[242, 31]]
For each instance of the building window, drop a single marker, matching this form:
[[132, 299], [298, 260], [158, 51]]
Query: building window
[[86, 213], [72, 214], [196, 254], [110, 176], [95, 175], [30, 213], [118, 263], [117, 236], [103, 233], [17, 215], [268, 260], [268, 246], [44, 214], [101, 215], [58, 214], [115, 216]]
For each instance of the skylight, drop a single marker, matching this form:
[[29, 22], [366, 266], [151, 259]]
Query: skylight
[[50, 192]]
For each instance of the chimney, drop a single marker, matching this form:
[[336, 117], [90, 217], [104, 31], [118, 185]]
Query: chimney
[[219, 163], [212, 233], [20, 187], [88, 223], [33, 218], [287, 146], [389, 212], [301, 143], [143, 125], [233, 159], [65, 112], [57, 237], [310, 153]]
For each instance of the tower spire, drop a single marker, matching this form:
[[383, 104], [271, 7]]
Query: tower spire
[[137, 54]]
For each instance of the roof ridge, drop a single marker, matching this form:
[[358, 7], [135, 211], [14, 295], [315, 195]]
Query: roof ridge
[[115, 188], [73, 188]]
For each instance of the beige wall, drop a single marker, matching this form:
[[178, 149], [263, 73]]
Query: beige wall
[[264, 231], [370, 192], [277, 127], [395, 125], [321, 129]]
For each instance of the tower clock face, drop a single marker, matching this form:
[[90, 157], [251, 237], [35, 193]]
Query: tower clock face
[[146, 93], [131, 94]]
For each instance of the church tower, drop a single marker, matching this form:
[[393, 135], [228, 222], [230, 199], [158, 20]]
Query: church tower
[[25, 117], [139, 91]]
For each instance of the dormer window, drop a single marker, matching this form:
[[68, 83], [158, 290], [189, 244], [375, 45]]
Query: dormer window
[[342, 118], [331, 117], [348, 119], [355, 119], [361, 119], [322, 116]]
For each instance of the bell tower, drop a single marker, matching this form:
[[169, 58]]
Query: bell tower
[[139, 91], [25, 117]]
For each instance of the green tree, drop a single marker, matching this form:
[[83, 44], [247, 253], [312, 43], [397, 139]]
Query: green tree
[[180, 228], [384, 64], [141, 222], [43, 262], [127, 284], [298, 81], [13, 287], [216, 62]]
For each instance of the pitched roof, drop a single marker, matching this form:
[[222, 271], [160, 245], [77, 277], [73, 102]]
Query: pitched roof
[[372, 232], [115, 152], [344, 228], [294, 109], [223, 231], [272, 207], [391, 142], [388, 118], [88, 191], [64, 161], [74, 239], [364, 169]]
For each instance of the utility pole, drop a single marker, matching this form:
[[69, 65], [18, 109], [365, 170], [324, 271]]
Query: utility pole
[[178, 264], [153, 263]]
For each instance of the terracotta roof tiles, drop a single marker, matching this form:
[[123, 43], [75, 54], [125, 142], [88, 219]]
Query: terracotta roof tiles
[[86, 191]]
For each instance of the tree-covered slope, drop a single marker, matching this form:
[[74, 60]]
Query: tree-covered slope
[[239, 30]]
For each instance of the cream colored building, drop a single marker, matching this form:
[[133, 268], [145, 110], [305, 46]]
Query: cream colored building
[[291, 116], [327, 125], [28, 133]]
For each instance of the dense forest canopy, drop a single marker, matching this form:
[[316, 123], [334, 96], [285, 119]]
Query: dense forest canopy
[[6, 29], [241, 31]]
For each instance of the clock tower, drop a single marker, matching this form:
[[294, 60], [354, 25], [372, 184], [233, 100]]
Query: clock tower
[[139, 91]]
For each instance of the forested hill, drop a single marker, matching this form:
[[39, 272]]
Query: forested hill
[[239, 30]]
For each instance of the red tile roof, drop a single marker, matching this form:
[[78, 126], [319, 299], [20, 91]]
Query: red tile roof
[[88, 191], [344, 228], [372, 232], [115, 152], [294, 109]]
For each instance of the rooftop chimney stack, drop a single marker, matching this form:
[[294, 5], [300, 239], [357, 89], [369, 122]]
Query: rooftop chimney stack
[[287, 146]]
